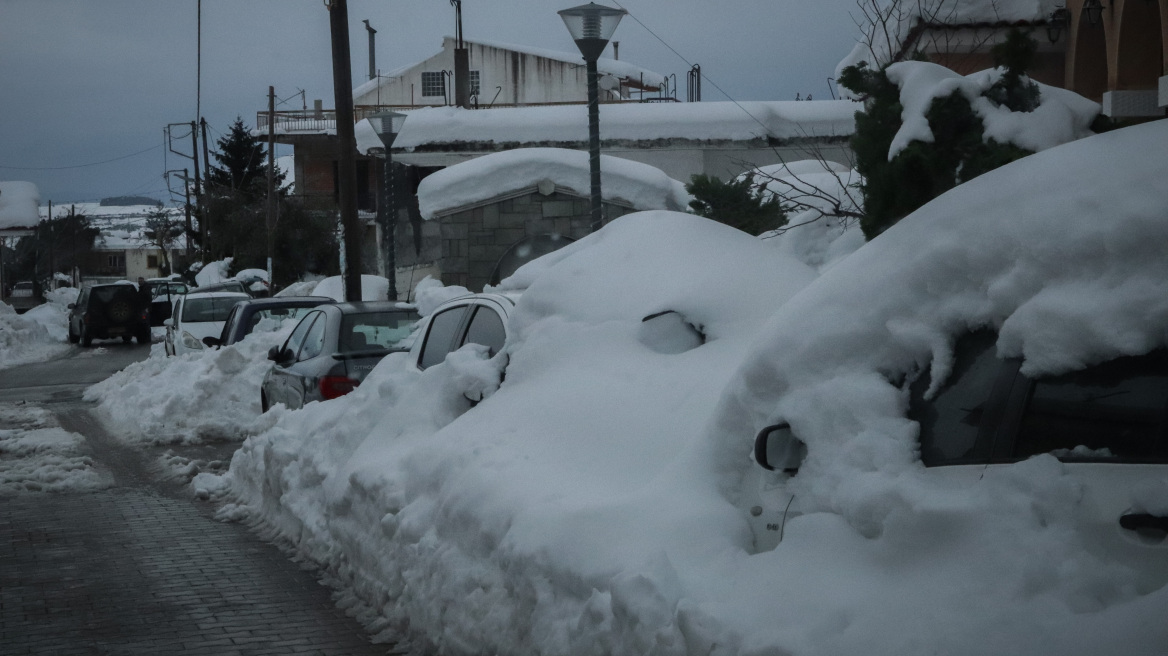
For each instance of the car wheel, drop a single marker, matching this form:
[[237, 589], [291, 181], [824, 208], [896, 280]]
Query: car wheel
[[120, 311], [73, 337], [86, 338], [143, 336]]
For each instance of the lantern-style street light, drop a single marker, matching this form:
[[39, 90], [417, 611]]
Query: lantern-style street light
[[591, 26], [1058, 21], [1093, 9], [388, 125]]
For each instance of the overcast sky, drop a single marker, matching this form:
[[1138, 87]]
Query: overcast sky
[[85, 81]]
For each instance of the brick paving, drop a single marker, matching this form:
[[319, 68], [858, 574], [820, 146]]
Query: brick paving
[[142, 568]]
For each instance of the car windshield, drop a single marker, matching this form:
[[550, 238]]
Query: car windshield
[[22, 285], [213, 308], [376, 331]]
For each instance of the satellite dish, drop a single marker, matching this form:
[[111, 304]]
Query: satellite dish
[[609, 83]]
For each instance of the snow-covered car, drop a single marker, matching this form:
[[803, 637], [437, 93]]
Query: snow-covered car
[[197, 315], [333, 349], [23, 297], [246, 316], [472, 319]]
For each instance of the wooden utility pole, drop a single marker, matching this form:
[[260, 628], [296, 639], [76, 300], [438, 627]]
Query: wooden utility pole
[[271, 222], [347, 155]]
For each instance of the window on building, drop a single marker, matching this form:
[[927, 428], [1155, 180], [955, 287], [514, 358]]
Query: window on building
[[433, 84], [152, 261], [116, 261], [474, 83]]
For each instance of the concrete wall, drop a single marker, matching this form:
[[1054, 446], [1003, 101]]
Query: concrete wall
[[463, 248]]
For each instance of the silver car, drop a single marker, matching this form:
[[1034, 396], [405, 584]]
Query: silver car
[[333, 348]]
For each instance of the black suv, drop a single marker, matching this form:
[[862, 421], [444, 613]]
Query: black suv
[[109, 311]]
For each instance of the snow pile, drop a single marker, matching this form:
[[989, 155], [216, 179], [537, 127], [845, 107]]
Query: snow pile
[[501, 174], [568, 124], [36, 455], [884, 39], [35, 336], [213, 272], [429, 293], [1061, 116], [605, 65], [1062, 253], [373, 288], [821, 199], [53, 314], [208, 395], [547, 519], [18, 205]]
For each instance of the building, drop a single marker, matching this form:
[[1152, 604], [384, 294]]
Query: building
[[506, 75], [1110, 52], [18, 217]]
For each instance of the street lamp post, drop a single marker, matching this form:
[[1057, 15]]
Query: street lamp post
[[387, 125], [591, 26]]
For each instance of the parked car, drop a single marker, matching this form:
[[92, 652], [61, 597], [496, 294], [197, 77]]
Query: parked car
[[246, 315], [333, 348], [163, 292], [474, 319], [109, 311], [23, 297], [224, 286], [197, 315]]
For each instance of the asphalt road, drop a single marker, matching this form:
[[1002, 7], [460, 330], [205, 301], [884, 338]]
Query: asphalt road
[[141, 566]]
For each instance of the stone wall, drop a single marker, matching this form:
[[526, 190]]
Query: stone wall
[[465, 246]]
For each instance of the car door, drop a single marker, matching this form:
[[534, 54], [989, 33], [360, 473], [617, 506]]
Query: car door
[[172, 331], [281, 378], [443, 332]]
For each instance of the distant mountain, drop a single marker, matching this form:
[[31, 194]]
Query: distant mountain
[[123, 201]]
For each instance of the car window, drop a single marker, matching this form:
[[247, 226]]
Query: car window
[[232, 322], [375, 331], [314, 340], [440, 336], [296, 339], [208, 308], [954, 427], [486, 328], [1111, 412]]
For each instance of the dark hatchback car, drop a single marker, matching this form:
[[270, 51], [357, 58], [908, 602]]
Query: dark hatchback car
[[107, 312], [247, 315], [333, 349]]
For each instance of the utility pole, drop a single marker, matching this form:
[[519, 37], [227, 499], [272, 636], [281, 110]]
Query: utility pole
[[203, 232], [347, 157], [52, 249], [271, 181]]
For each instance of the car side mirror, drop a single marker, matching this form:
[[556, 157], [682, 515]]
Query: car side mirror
[[212, 342], [274, 354], [777, 448], [72, 305], [168, 322]]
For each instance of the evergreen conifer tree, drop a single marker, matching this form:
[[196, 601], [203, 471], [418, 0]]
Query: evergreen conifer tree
[[242, 163], [735, 203]]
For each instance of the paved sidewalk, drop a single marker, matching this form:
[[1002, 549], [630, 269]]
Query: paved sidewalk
[[142, 568]]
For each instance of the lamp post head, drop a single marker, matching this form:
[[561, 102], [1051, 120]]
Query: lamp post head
[[1058, 21], [591, 26], [1094, 11], [387, 125]]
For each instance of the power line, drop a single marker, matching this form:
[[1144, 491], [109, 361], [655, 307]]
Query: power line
[[690, 64], [78, 166]]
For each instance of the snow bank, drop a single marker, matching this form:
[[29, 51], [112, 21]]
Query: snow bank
[[560, 514], [1061, 116], [817, 195], [18, 205], [37, 455], [1061, 252], [207, 395], [498, 174], [35, 336], [214, 272], [705, 121]]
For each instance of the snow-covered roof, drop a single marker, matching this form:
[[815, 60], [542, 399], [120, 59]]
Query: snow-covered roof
[[496, 175], [620, 69], [18, 205], [705, 121], [882, 41]]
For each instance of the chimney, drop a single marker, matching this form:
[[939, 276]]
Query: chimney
[[372, 53], [616, 50]]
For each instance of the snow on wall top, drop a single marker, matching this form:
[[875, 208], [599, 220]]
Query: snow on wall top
[[1062, 115], [879, 42], [490, 176], [704, 121], [18, 204]]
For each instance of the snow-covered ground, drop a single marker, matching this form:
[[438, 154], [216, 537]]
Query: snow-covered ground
[[37, 335], [37, 455], [593, 504]]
